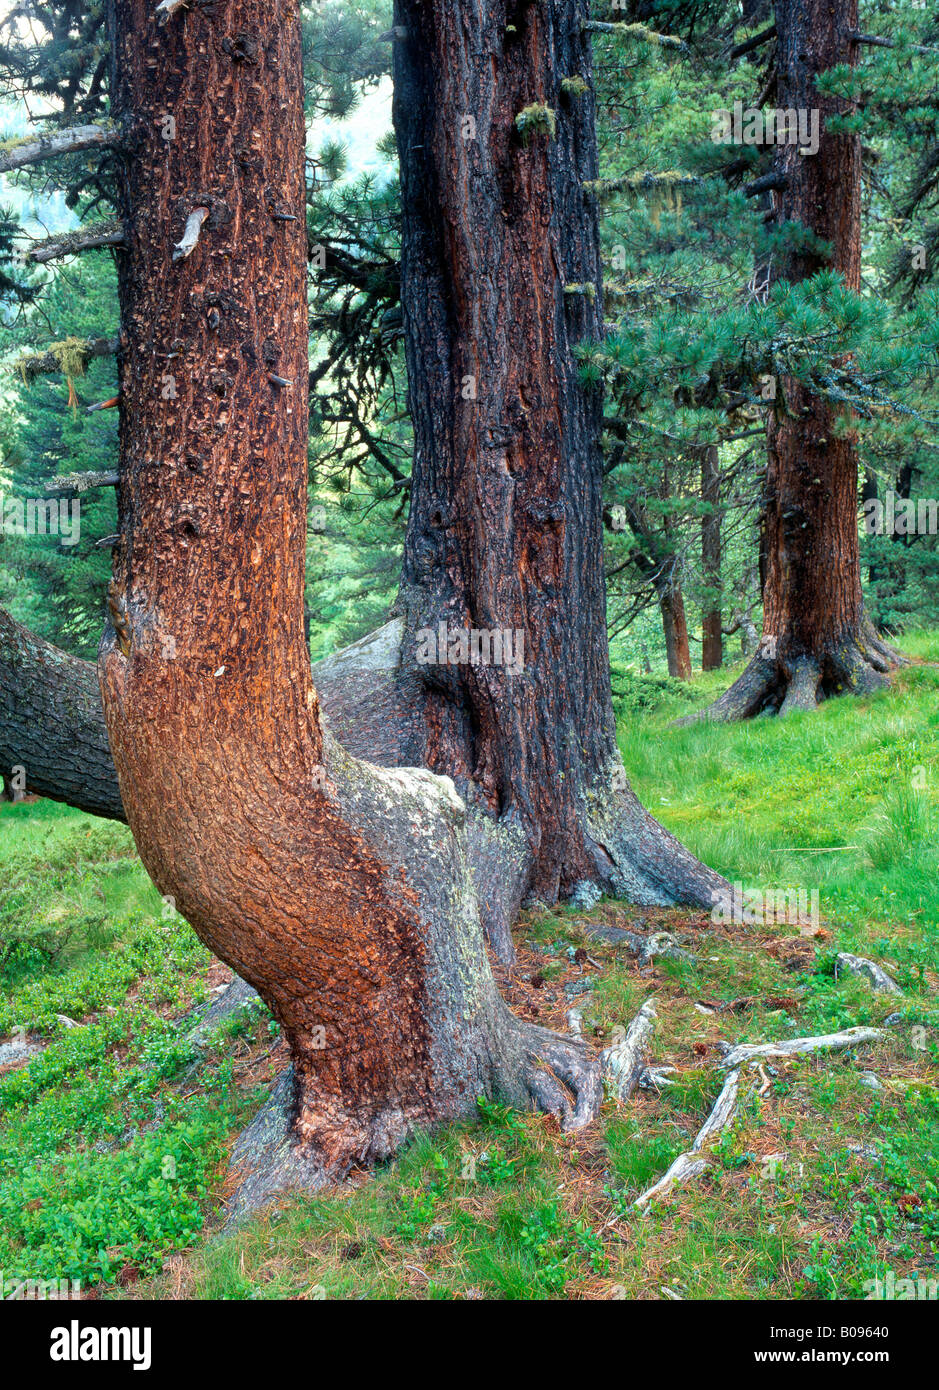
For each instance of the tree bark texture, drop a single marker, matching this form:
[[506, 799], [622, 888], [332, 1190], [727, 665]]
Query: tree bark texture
[[712, 651], [51, 723], [338, 889], [675, 631], [500, 283]]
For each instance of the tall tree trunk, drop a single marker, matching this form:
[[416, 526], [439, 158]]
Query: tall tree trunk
[[338, 889], [500, 283], [816, 639], [712, 652]]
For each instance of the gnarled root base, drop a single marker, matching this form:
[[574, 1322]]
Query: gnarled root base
[[559, 1076], [859, 665], [280, 1152], [375, 706]]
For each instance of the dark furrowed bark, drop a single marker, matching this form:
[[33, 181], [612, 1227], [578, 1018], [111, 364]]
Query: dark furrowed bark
[[500, 283], [338, 889], [505, 484], [712, 649]]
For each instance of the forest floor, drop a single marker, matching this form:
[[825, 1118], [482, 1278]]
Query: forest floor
[[114, 1133]]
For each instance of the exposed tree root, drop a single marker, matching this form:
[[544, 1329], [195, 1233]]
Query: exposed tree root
[[694, 1161], [234, 998], [623, 1063], [795, 1047], [637, 858]]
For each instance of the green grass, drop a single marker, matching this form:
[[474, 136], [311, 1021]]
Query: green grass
[[114, 1140], [844, 800]]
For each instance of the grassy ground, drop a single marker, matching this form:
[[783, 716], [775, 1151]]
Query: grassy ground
[[113, 1140]]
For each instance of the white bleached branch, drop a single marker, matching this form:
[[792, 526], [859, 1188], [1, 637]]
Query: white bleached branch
[[622, 1063], [690, 1164], [794, 1047], [47, 146], [71, 243]]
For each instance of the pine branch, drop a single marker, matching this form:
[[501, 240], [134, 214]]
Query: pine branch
[[772, 180], [639, 183], [60, 357], [748, 45], [633, 31], [72, 483], [874, 41], [83, 239], [37, 148]]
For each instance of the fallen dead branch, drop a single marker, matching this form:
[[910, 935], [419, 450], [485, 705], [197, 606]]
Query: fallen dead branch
[[868, 971]]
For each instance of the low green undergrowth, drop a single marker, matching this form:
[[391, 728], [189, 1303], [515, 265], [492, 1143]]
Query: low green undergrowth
[[114, 1138]]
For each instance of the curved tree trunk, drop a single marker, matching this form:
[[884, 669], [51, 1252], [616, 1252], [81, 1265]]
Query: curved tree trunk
[[338, 889], [816, 640]]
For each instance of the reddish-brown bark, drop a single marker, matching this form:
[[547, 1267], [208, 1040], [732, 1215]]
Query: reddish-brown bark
[[675, 630], [338, 889]]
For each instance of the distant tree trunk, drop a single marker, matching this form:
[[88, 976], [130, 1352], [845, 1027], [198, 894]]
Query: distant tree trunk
[[712, 653], [870, 493], [671, 599], [816, 639], [338, 889], [675, 629]]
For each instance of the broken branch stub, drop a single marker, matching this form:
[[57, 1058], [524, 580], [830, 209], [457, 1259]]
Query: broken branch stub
[[168, 8], [190, 237]]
